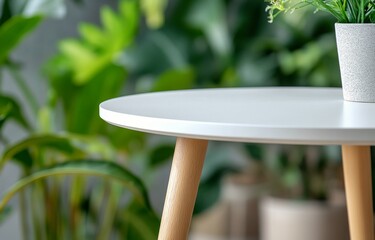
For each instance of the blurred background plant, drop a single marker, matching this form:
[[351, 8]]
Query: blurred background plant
[[177, 44]]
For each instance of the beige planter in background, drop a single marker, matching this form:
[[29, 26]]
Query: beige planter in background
[[235, 217], [283, 219]]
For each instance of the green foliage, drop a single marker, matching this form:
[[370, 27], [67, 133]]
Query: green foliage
[[140, 222], [84, 167], [160, 155], [11, 110], [99, 47], [345, 11], [13, 31], [22, 151], [176, 79], [84, 73], [154, 12]]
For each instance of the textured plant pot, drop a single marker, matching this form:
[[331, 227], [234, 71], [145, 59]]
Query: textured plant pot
[[356, 50], [283, 219]]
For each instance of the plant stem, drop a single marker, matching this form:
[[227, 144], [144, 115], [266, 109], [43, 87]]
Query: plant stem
[[36, 193], [363, 10], [77, 190], [24, 216], [24, 88], [110, 211]]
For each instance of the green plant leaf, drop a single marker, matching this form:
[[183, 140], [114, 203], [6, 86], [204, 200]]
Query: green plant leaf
[[100, 47], [175, 79], [13, 31], [372, 16], [161, 154], [209, 16], [255, 151], [106, 169], [11, 110], [5, 11], [154, 12], [92, 35], [140, 222], [20, 152], [82, 115]]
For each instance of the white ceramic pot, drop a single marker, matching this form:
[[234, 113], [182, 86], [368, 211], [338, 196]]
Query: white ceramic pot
[[356, 50], [283, 219]]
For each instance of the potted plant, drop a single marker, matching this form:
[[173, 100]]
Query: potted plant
[[306, 196], [354, 34]]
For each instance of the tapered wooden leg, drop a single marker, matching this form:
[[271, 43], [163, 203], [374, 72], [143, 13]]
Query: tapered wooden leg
[[357, 173], [182, 188]]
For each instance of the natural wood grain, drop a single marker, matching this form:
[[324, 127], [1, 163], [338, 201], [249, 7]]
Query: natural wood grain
[[182, 188], [357, 173]]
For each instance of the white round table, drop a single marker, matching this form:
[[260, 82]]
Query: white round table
[[261, 115]]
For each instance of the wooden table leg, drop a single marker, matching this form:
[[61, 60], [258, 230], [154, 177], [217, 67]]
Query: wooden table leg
[[357, 174], [182, 188]]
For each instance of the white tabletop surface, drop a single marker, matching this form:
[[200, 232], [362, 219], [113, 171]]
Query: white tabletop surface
[[263, 115]]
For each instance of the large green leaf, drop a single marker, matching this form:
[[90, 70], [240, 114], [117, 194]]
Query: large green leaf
[[13, 31], [21, 151], [82, 115], [11, 110], [105, 169]]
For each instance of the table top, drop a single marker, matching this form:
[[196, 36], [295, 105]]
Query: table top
[[291, 115]]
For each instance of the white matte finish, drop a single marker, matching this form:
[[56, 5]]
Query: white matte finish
[[356, 50], [263, 115]]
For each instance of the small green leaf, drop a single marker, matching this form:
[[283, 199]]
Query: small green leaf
[[106, 169], [175, 79], [154, 12], [112, 24], [5, 109], [92, 35], [10, 109], [160, 155], [13, 31], [255, 151], [372, 16]]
